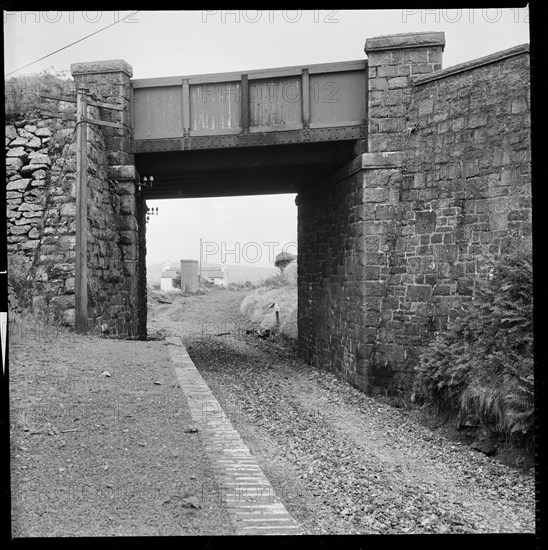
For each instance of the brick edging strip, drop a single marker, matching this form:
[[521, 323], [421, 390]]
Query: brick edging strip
[[252, 504]]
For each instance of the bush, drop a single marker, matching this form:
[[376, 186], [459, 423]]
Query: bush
[[22, 94], [283, 259], [483, 364], [286, 277]]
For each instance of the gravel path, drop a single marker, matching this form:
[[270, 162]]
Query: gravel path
[[97, 455], [341, 462]]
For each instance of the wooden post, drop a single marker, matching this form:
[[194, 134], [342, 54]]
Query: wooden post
[[81, 263]]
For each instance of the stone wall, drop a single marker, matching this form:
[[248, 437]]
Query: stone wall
[[330, 276], [111, 301], [40, 211], [347, 227], [464, 199], [394, 62], [118, 281], [444, 190]]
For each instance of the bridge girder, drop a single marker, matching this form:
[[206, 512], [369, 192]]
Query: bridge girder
[[241, 171]]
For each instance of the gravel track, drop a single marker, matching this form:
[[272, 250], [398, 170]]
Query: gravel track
[[98, 455], [342, 462]]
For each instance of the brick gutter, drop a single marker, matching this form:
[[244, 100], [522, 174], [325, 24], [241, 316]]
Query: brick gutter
[[251, 502]]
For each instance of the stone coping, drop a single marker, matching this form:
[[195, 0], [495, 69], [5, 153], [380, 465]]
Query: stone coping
[[109, 66], [405, 40], [474, 63]]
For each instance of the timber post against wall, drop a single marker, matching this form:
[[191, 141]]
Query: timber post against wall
[[81, 260]]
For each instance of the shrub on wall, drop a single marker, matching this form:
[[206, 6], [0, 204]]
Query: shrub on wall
[[483, 365], [23, 94]]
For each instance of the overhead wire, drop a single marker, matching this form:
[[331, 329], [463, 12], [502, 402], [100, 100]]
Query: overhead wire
[[72, 43]]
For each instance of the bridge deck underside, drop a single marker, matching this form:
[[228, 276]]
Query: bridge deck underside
[[241, 171], [233, 140]]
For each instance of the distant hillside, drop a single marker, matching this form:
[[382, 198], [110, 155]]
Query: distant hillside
[[236, 273]]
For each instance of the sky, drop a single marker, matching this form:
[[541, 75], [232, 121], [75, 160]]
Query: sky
[[173, 43]]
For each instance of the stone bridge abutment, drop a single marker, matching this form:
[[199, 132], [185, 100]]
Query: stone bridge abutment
[[117, 292], [392, 245]]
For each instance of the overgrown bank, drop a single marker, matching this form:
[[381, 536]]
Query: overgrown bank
[[481, 368], [277, 294]]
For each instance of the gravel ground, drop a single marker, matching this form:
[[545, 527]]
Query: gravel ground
[[342, 462], [98, 455]]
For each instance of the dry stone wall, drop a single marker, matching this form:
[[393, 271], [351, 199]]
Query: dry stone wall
[[40, 210]]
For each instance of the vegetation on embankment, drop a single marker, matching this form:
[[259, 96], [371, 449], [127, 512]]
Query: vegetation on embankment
[[481, 368], [23, 97], [280, 289]]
